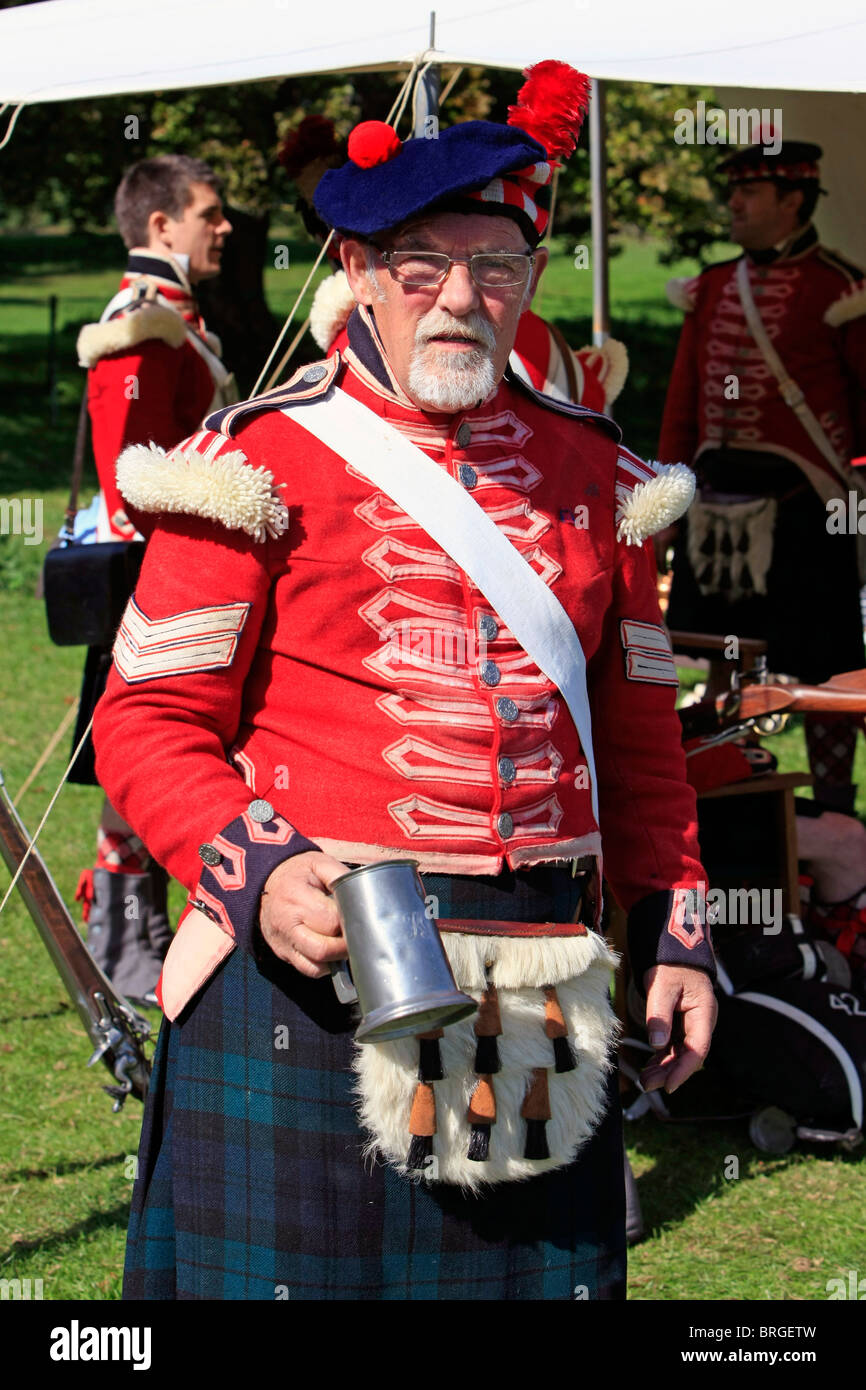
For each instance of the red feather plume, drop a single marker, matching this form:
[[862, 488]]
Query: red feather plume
[[551, 106]]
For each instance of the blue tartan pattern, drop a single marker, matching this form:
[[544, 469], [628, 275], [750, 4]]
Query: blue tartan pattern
[[252, 1184]]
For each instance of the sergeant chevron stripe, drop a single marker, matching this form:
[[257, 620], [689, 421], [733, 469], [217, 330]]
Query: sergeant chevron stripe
[[202, 639]]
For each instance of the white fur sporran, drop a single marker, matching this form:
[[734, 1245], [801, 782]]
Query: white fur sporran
[[579, 967]]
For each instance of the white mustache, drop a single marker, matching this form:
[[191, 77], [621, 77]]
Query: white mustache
[[472, 328]]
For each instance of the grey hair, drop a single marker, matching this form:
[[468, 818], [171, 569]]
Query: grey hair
[[375, 287]]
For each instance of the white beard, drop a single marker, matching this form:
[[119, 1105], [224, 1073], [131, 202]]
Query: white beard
[[448, 381]]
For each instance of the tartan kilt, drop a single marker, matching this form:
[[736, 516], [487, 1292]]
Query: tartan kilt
[[251, 1182]]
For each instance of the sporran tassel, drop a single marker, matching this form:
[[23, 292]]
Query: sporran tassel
[[422, 1126], [481, 1115], [536, 1140], [556, 1029], [536, 1112], [564, 1058], [420, 1149], [486, 1057], [488, 1027], [429, 1056]]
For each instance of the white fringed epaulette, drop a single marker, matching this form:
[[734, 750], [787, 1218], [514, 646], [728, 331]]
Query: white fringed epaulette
[[97, 340], [682, 292], [851, 304], [206, 477], [609, 363], [332, 305], [649, 496]]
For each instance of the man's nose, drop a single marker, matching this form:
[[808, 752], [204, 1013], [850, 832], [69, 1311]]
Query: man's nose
[[458, 292], [224, 228]]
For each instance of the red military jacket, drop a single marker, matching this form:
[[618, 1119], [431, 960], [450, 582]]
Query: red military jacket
[[343, 670], [153, 372], [723, 395]]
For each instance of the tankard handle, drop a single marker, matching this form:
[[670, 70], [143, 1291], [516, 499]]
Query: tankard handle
[[341, 977], [344, 987]]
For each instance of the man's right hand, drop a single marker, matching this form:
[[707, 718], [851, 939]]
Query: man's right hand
[[299, 920]]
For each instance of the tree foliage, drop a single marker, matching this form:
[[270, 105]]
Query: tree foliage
[[65, 159]]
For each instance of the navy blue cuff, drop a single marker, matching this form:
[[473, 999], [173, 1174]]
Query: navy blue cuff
[[237, 864], [669, 928]]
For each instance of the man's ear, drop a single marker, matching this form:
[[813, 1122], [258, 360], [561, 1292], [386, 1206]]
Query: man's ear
[[792, 201], [156, 229], [542, 256], [354, 259]]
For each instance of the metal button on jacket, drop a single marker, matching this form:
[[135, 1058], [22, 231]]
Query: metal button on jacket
[[261, 811], [467, 475], [464, 434], [505, 825], [506, 709], [210, 855], [314, 374], [490, 673], [488, 627], [507, 770]]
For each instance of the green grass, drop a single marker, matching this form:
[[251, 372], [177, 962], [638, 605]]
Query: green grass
[[779, 1230]]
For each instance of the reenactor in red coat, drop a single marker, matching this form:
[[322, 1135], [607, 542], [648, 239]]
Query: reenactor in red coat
[[767, 400], [307, 679], [153, 373]]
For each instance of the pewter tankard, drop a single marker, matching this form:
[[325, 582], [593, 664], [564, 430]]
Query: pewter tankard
[[400, 972]]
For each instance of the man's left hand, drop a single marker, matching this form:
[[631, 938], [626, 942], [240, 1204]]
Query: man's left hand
[[676, 992]]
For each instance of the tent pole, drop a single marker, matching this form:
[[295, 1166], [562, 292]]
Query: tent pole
[[425, 111], [598, 212]]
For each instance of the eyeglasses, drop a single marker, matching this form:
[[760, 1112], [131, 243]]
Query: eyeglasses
[[489, 270]]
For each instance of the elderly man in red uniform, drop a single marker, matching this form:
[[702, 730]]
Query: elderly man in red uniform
[[154, 372], [768, 399], [306, 678]]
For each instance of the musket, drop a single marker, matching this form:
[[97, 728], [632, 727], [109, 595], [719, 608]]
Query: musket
[[844, 694], [118, 1033]]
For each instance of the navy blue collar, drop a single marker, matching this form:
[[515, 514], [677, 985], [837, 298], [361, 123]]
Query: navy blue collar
[[367, 346]]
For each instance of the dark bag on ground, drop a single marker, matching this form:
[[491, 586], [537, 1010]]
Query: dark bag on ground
[[787, 1036]]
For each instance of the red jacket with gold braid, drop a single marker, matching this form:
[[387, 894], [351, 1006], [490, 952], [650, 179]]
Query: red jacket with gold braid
[[148, 381], [343, 669], [813, 304]]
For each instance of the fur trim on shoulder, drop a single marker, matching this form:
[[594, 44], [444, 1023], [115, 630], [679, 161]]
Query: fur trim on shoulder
[[98, 340], [651, 505], [225, 488], [614, 375], [609, 363], [333, 302], [682, 291], [851, 304]]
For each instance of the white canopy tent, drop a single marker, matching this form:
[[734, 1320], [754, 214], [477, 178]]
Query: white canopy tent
[[66, 49]]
